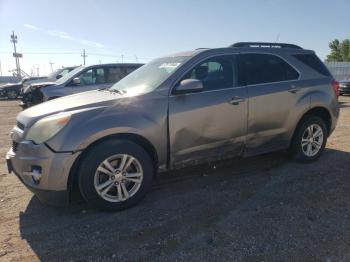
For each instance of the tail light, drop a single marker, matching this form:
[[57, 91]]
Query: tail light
[[335, 85]]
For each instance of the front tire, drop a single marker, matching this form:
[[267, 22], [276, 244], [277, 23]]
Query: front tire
[[115, 175], [12, 94], [310, 139]]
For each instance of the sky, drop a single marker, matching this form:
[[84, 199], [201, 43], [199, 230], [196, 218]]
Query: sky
[[56, 31]]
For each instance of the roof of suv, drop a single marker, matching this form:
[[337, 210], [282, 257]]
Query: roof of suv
[[252, 46]]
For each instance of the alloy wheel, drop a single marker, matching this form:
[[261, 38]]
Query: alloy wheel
[[118, 177], [312, 140]]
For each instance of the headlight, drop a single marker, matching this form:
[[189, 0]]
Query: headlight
[[46, 128]]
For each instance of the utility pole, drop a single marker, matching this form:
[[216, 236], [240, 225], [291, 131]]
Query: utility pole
[[122, 58], [51, 65], [84, 55], [137, 59], [14, 41], [0, 69], [37, 70]]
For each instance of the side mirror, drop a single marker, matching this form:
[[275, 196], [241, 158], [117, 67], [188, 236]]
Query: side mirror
[[76, 81], [58, 76], [189, 86]]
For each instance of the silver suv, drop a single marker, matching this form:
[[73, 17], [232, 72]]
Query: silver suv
[[79, 80], [178, 110]]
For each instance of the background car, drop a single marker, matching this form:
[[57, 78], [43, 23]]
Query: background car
[[81, 79], [13, 90], [344, 87], [57, 74]]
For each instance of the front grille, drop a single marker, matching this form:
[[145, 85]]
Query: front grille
[[20, 125], [14, 146]]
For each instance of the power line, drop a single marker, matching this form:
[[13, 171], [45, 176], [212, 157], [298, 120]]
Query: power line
[[77, 53]]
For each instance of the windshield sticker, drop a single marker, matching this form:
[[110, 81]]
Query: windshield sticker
[[169, 65]]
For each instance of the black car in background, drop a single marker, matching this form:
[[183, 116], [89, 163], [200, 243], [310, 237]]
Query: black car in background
[[344, 87], [13, 90]]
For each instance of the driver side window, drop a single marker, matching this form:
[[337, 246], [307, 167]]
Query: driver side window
[[92, 77], [87, 78], [215, 73]]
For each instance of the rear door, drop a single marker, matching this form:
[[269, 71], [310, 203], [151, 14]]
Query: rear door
[[274, 91], [210, 124]]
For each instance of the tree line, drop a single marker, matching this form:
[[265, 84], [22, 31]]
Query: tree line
[[340, 51]]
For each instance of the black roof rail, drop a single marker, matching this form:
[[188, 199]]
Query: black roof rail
[[265, 45]]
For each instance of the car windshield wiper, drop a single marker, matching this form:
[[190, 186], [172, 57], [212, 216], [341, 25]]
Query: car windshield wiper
[[122, 92]]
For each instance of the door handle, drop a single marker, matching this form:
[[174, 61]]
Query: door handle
[[293, 89], [236, 100]]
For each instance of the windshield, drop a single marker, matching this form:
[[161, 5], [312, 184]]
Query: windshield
[[67, 76], [149, 76]]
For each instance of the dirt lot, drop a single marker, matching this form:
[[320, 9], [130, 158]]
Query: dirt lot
[[260, 208]]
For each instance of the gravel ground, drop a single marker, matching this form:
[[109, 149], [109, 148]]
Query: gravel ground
[[265, 208]]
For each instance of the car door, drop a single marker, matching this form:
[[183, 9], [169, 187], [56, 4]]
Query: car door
[[274, 91], [210, 124]]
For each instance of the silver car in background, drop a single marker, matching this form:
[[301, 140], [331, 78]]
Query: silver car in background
[[79, 80], [57, 74], [176, 111]]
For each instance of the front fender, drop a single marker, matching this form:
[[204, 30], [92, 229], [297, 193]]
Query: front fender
[[148, 120]]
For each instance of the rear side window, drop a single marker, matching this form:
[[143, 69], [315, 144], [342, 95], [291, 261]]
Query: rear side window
[[314, 62], [114, 74], [264, 68]]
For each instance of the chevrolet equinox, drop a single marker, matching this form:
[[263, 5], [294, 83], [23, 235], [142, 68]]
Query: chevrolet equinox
[[177, 110]]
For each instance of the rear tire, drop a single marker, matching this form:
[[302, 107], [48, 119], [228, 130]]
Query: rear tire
[[115, 175], [310, 139]]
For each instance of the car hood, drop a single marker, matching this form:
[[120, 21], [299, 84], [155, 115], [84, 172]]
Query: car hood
[[34, 86], [9, 85], [78, 102]]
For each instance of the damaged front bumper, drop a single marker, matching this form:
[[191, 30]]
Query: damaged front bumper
[[31, 98], [42, 171]]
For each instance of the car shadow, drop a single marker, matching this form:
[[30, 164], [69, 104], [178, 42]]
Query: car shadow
[[192, 210]]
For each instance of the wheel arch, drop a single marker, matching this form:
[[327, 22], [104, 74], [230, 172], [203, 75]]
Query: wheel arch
[[319, 111], [72, 184]]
